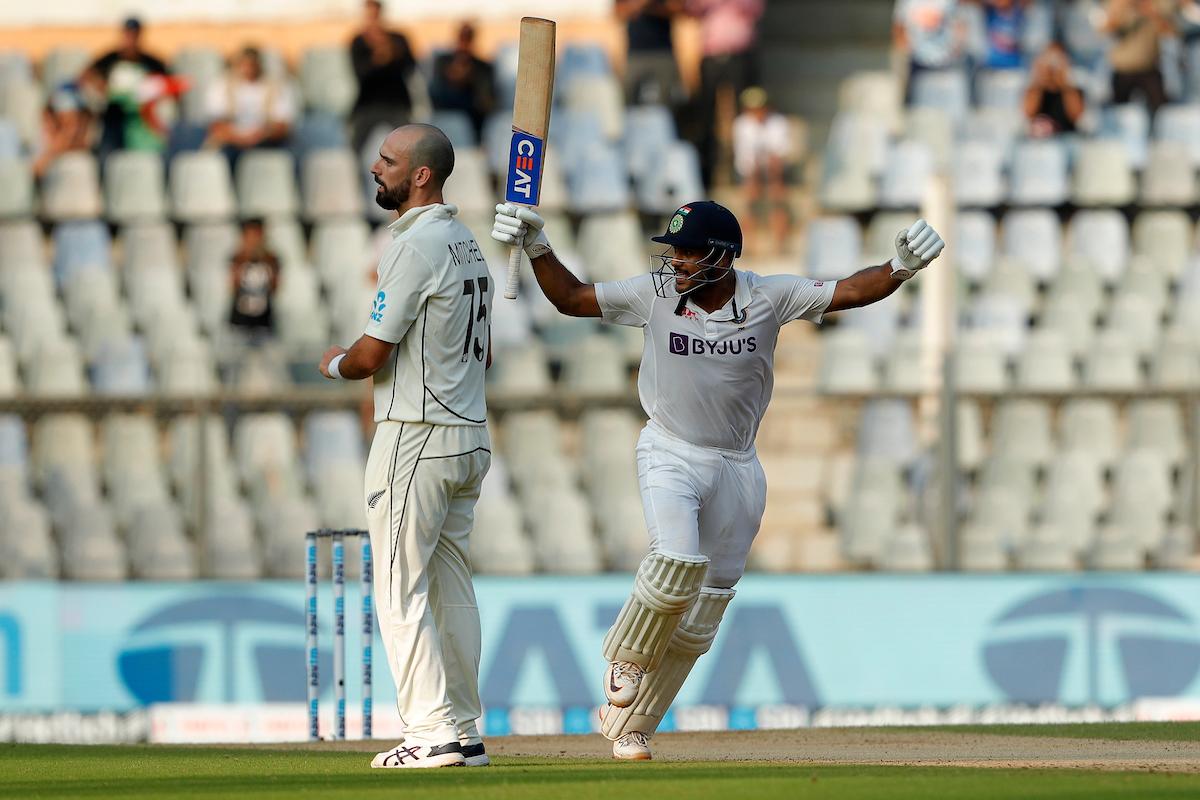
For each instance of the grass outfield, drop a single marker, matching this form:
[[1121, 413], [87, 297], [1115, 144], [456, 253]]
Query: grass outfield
[[61, 771]]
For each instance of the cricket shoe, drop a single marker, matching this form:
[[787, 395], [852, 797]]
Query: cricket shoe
[[633, 746], [622, 680], [414, 755], [475, 755]]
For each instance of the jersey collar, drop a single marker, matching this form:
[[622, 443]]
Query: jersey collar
[[408, 218], [735, 309]]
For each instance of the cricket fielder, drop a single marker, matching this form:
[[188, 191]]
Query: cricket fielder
[[427, 345], [705, 381]]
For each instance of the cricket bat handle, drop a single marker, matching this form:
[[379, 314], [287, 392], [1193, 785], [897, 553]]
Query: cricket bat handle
[[514, 273]]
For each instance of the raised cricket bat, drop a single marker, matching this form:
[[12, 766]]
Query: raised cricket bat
[[531, 119]]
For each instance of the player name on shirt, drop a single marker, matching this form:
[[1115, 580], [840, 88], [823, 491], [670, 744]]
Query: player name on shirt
[[465, 252]]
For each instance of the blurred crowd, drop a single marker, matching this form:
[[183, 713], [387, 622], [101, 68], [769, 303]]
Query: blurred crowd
[[1116, 51]]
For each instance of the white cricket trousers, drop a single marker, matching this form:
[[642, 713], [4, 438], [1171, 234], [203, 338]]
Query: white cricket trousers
[[422, 483], [701, 501]]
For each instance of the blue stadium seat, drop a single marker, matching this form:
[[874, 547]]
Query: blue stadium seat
[[579, 59], [599, 181], [121, 368], [10, 139], [457, 127], [1039, 173], [14, 448], [672, 180], [319, 131], [1130, 125], [1180, 123], [80, 245], [648, 132], [1001, 88]]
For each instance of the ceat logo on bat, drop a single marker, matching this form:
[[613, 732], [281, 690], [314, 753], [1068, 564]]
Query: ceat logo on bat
[[524, 169]]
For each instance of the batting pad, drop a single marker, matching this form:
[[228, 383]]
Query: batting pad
[[664, 589], [692, 639]]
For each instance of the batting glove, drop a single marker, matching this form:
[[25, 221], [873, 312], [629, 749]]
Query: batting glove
[[518, 226], [915, 248]]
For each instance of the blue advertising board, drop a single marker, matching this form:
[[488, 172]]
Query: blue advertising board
[[849, 641]]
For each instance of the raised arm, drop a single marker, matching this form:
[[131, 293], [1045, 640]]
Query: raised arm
[[916, 247], [517, 226]]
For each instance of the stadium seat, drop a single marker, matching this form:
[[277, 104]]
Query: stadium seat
[[134, 187], [187, 370], [907, 173], [1046, 550], [903, 368], [1011, 279], [1165, 238], [974, 244], [331, 436], [80, 246], [886, 429], [1115, 549], [834, 248], [1176, 551], [149, 246], [1112, 363], [201, 188], [603, 94], [1008, 471], [228, 547], [867, 523], [671, 180], [504, 550], [331, 185], [873, 91], [1045, 364], [847, 363], [1102, 175], [933, 128], [16, 188], [10, 384], [1180, 123], [908, 550], [89, 545], [998, 128], [981, 549], [1168, 179], [458, 128], [1128, 124], [70, 189], [1003, 318], [598, 181], [1157, 424], [1176, 364], [649, 130], [1101, 239], [1001, 88], [327, 80], [266, 184], [1005, 511], [595, 366], [56, 370], [1090, 425], [120, 368], [1039, 173], [158, 549], [21, 245], [63, 64], [1021, 428], [1033, 238], [1137, 318], [978, 182], [859, 137], [1075, 475], [278, 521], [202, 66], [27, 551], [469, 186], [947, 90]]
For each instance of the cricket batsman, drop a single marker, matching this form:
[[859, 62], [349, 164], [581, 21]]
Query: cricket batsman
[[427, 344], [706, 377]]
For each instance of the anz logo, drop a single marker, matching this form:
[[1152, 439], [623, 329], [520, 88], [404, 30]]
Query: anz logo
[[377, 307], [682, 345]]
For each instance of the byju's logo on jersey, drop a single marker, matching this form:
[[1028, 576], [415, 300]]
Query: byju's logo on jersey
[[681, 344], [377, 307]]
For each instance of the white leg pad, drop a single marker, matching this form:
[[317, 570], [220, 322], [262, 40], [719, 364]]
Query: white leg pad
[[664, 589], [692, 639]]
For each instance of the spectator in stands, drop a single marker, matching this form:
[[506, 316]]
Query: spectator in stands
[[66, 126], [1053, 103], [651, 72], [254, 274], [462, 81], [931, 33], [1003, 25], [728, 33], [247, 109], [117, 77], [1136, 26], [762, 149], [387, 75]]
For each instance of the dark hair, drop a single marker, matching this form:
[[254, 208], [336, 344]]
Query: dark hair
[[433, 150], [253, 222]]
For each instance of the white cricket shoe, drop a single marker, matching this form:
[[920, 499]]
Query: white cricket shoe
[[415, 755], [622, 680], [475, 755], [633, 746]]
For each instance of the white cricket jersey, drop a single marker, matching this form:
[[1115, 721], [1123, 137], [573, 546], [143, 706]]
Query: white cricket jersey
[[707, 378], [432, 302]]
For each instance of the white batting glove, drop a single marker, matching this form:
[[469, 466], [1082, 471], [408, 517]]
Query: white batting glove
[[915, 248], [518, 226]]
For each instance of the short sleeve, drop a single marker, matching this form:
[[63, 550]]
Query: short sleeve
[[405, 283], [626, 302], [216, 103], [795, 297]]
